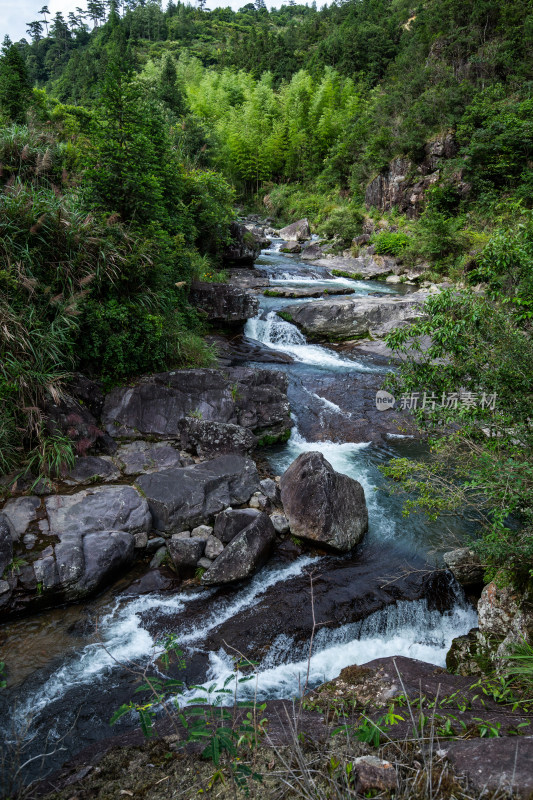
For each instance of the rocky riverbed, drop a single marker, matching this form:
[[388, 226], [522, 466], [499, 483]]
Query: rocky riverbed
[[208, 503]]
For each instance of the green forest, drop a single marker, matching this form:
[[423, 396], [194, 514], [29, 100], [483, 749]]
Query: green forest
[[130, 134]]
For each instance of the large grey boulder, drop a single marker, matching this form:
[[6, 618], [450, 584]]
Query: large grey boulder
[[354, 318], [21, 511], [252, 398], [290, 247], [105, 553], [104, 508], [296, 232], [367, 267], [204, 438], [6, 543], [230, 522], [244, 554], [322, 505], [134, 458], [89, 468], [183, 497], [223, 303]]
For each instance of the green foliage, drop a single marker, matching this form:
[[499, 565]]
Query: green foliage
[[480, 465], [388, 243], [15, 87], [343, 222]]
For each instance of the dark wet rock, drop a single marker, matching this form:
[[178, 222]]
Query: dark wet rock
[[109, 508], [182, 497], [290, 247], [252, 398], [245, 553], [241, 350], [21, 511], [347, 318], [243, 248], [6, 543], [465, 656], [304, 292], [465, 565], [134, 458], [185, 553], [154, 581], [312, 251], [158, 558], [154, 544], [90, 468], [231, 522], [88, 393], [206, 438], [323, 505], [495, 765], [261, 402], [296, 232], [223, 303]]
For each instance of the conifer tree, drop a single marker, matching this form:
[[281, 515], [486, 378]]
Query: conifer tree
[[15, 87], [170, 92]]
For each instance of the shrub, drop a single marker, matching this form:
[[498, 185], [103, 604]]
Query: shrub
[[390, 244], [344, 223]]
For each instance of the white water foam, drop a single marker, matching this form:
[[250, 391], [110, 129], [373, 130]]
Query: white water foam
[[405, 629], [361, 287], [279, 334], [124, 639]]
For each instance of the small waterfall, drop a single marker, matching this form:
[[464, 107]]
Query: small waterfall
[[407, 628], [275, 332]]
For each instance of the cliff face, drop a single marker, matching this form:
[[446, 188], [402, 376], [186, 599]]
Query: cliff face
[[404, 184]]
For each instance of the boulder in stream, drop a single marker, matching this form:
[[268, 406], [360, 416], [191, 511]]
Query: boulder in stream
[[322, 505], [186, 496], [247, 551], [296, 232], [223, 303]]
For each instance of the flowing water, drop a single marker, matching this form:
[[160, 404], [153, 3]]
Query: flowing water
[[70, 679]]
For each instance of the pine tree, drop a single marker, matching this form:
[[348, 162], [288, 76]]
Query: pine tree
[[15, 87], [170, 91]]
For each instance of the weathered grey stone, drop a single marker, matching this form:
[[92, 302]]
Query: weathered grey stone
[[45, 569], [202, 532], [230, 522], [465, 566], [29, 540], [290, 247], [90, 468], [6, 542], [223, 303], [296, 231], [206, 438], [102, 508], [252, 398], [204, 562], [188, 496], [495, 765], [141, 540], [4, 587], [247, 551], [21, 511], [323, 505], [349, 318], [280, 523], [270, 489], [213, 547], [134, 458], [104, 554], [185, 553]]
